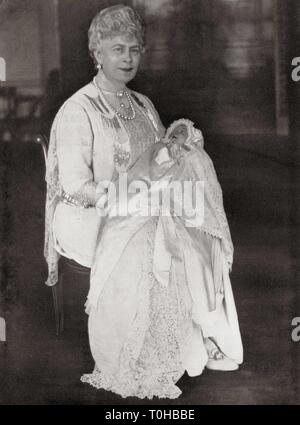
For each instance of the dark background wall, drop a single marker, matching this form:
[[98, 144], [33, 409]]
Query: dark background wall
[[211, 61], [293, 50], [214, 61]]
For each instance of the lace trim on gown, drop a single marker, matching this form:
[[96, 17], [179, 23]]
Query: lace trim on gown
[[152, 359]]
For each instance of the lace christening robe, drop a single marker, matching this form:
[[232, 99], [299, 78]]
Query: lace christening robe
[[144, 333]]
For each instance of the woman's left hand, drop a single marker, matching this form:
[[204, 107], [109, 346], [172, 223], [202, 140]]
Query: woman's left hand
[[175, 151]]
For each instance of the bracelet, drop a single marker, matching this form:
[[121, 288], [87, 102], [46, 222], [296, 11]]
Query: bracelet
[[78, 200]]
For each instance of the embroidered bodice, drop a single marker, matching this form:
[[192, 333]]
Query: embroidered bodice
[[141, 136], [89, 144]]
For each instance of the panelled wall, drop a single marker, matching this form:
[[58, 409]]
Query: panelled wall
[[212, 61], [292, 46], [208, 60], [29, 43], [20, 44]]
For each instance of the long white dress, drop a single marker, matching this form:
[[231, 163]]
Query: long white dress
[[145, 332]]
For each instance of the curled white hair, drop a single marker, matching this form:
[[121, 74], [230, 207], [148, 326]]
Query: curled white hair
[[113, 21]]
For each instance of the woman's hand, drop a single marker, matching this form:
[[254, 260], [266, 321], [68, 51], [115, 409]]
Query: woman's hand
[[175, 151], [176, 147]]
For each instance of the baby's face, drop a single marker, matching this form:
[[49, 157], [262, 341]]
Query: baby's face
[[179, 135]]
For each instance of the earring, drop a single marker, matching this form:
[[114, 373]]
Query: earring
[[99, 66]]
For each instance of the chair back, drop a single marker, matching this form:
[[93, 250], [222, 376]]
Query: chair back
[[78, 272], [42, 140]]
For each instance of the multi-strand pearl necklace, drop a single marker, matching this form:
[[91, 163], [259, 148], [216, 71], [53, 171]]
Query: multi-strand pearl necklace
[[119, 95]]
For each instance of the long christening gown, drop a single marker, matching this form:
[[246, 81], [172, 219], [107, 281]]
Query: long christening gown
[[145, 333]]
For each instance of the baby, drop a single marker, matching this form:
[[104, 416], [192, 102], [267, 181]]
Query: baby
[[159, 162], [178, 138]]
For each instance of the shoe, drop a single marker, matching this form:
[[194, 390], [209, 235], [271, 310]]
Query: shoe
[[224, 364], [217, 359]]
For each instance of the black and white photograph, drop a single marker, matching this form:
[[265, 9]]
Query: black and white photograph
[[149, 204]]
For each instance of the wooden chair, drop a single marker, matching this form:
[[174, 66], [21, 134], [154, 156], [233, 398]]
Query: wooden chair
[[65, 266]]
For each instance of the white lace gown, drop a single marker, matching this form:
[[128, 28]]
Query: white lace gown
[[142, 334]]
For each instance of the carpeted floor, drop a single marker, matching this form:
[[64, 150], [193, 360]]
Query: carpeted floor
[[260, 179]]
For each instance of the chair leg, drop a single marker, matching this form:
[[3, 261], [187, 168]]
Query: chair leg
[[61, 302], [56, 308]]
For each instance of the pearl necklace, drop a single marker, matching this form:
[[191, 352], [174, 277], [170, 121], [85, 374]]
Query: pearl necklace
[[119, 94]]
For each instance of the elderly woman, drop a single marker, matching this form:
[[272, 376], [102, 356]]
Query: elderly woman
[[98, 132], [148, 322]]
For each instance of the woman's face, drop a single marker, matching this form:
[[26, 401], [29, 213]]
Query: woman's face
[[120, 57]]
